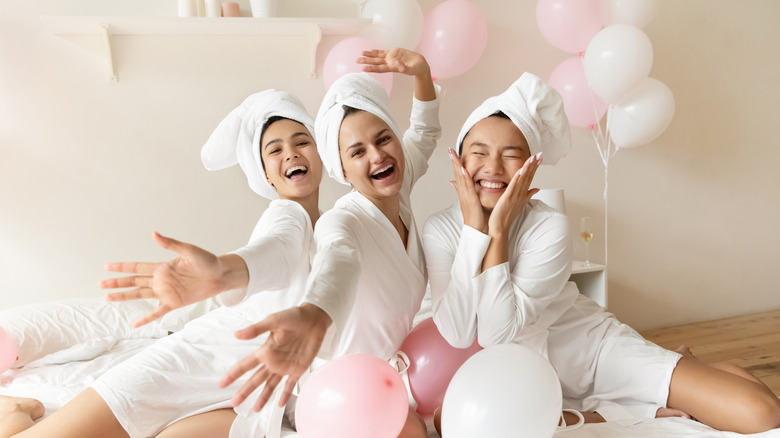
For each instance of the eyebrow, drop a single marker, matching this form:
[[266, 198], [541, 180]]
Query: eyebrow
[[503, 148], [360, 143], [277, 140]]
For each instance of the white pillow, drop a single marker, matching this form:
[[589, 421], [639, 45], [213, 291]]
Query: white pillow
[[44, 328]]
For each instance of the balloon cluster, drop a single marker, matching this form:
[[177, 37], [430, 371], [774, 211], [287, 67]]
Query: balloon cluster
[[610, 73], [452, 37], [498, 391]]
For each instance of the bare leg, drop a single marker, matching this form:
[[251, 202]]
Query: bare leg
[[414, 427], [725, 366], [214, 424], [18, 414], [86, 416], [721, 399]]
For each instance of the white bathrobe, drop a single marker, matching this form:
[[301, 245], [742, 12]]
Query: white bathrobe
[[177, 376], [603, 365], [362, 276]]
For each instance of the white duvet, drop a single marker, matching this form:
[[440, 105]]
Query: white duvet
[[56, 364]]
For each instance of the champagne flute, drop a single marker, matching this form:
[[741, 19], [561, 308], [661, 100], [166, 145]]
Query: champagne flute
[[586, 234]]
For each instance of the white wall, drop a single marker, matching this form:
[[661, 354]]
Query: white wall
[[88, 169]]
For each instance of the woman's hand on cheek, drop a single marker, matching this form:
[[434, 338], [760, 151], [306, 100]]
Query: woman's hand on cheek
[[515, 198], [470, 206]]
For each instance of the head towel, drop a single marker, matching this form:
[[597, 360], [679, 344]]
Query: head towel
[[537, 109], [356, 90], [237, 137]]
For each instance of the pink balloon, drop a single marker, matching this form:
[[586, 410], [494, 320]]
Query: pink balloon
[[454, 37], [582, 106], [341, 60], [353, 396], [433, 363], [568, 24], [8, 353]]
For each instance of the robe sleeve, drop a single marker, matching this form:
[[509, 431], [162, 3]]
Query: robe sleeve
[[273, 251], [512, 298], [421, 138], [332, 283], [453, 261]]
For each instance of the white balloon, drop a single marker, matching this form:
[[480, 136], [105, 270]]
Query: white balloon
[[502, 391], [617, 59], [642, 116], [634, 12], [397, 23]]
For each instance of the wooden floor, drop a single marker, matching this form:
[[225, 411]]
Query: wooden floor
[[750, 341]]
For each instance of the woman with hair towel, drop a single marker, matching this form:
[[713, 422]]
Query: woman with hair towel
[[499, 265], [368, 275], [170, 389]]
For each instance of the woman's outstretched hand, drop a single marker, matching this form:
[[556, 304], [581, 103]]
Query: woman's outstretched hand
[[470, 206], [194, 276], [402, 61], [294, 339], [397, 60], [515, 197]]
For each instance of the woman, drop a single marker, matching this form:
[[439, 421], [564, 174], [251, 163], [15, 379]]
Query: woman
[[368, 275], [170, 389], [499, 265]]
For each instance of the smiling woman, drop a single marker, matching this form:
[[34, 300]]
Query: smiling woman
[[290, 159], [369, 255]]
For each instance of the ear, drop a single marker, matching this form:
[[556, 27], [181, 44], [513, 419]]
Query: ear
[[268, 179]]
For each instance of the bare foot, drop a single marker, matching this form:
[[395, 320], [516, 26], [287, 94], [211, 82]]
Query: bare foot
[[29, 406], [668, 412]]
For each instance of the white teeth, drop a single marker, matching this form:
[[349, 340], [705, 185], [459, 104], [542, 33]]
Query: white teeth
[[382, 170], [492, 185], [293, 169]]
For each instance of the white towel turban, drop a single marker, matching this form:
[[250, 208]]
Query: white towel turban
[[356, 90], [537, 109], [237, 137]]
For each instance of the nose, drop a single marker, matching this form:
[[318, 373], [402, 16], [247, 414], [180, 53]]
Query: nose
[[292, 153], [376, 153], [494, 165]]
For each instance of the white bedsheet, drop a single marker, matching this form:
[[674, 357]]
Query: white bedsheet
[[57, 377], [54, 383]]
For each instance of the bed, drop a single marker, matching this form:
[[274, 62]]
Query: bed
[[66, 345]]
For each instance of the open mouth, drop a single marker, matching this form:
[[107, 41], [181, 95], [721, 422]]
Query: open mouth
[[491, 184], [296, 172], [383, 172]]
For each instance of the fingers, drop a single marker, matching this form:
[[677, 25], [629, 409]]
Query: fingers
[[136, 294], [173, 244], [158, 313], [378, 69], [134, 281], [258, 329], [255, 381], [289, 386], [239, 369], [268, 390], [374, 53], [132, 267]]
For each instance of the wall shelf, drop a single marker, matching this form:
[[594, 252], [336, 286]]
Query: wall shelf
[[310, 29]]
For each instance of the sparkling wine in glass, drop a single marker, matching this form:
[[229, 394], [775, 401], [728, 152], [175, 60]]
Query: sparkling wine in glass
[[586, 234]]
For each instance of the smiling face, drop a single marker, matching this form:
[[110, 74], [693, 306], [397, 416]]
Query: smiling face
[[493, 150], [371, 155], [290, 159]]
